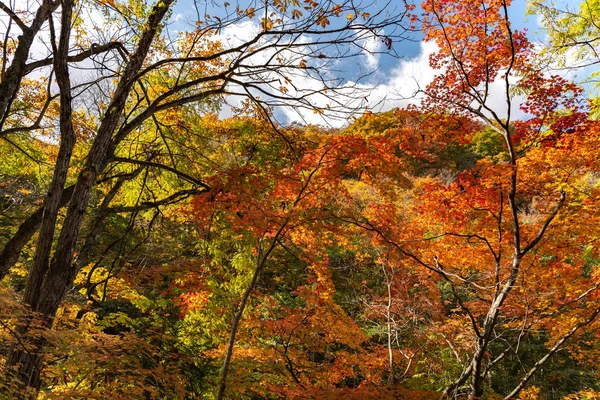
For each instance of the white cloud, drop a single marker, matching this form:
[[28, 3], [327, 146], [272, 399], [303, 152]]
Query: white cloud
[[404, 81], [394, 88], [177, 17], [390, 88], [372, 48]]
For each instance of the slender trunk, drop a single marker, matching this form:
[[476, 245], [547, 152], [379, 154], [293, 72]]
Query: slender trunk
[[392, 377], [489, 324], [61, 168], [260, 263], [476, 390], [234, 327], [392, 372], [477, 377]]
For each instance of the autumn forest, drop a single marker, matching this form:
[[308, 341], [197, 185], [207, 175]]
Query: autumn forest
[[188, 213]]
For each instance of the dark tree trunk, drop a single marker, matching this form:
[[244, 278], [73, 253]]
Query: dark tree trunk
[[62, 270], [27, 363], [47, 285]]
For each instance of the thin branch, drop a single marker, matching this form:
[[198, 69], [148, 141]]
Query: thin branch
[[14, 17], [544, 227], [175, 171]]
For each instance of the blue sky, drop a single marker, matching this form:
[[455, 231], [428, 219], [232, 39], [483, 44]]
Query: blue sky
[[395, 79], [410, 50], [185, 13]]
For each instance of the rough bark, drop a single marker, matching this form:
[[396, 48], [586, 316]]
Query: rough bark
[[47, 285], [62, 272], [28, 364], [61, 167]]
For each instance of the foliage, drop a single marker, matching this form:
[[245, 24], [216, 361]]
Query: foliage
[[153, 248]]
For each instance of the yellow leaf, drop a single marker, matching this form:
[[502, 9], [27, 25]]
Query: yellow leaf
[[266, 24]]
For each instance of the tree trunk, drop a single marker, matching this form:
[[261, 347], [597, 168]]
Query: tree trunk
[[260, 263], [62, 271], [29, 364], [46, 286], [388, 281]]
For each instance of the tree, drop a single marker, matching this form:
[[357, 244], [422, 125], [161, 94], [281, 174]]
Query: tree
[[491, 232], [572, 40], [572, 32], [447, 247], [142, 82], [270, 200]]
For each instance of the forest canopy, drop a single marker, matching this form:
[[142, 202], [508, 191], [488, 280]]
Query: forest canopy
[[175, 225]]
